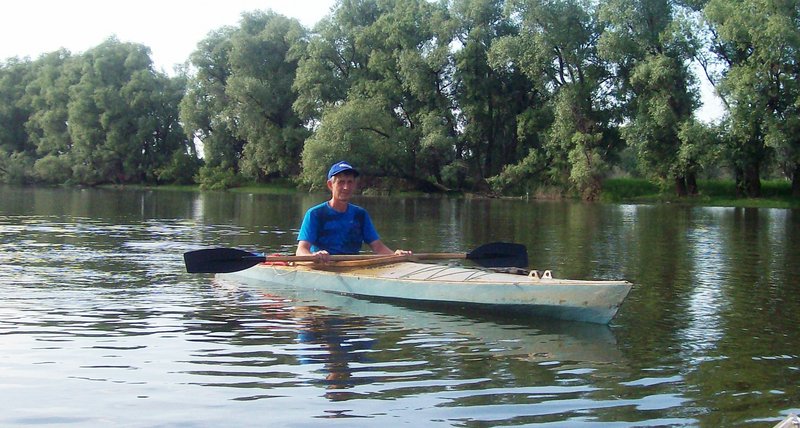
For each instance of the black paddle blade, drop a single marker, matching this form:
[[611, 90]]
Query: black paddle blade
[[219, 260], [500, 254]]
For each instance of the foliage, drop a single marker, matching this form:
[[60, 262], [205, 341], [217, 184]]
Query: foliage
[[113, 115], [181, 169], [14, 77], [217, 178], [647, 43], [622, 189], [259, 89], [510, 96], [360, 131], [493, 98], [556, 50], [392, 56], [15, 168], [777, 193], [758, 42], [203, 108], [53, 169], [101, 117], [239, 102], [48, 94]]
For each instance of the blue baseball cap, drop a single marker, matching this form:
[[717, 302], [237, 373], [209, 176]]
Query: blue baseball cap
[[340, 167]]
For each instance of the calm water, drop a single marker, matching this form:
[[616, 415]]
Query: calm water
[[100, 326]]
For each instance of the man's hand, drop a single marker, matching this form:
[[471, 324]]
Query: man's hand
[[304, 249], [322, 257]]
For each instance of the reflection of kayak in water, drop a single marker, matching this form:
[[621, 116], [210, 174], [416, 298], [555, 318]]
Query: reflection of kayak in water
[[792, 421], [477, 333], [576, 300]]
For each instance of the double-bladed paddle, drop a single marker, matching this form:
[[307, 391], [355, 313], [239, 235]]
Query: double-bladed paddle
[[223, 260]]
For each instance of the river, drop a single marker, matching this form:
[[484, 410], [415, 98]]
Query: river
[[100, 325]]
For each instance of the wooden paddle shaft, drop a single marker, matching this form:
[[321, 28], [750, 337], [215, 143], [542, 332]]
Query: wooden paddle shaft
[[348, 257]]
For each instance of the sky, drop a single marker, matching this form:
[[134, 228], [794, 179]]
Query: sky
[[170, 28]]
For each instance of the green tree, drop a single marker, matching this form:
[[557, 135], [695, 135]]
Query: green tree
[[261, 97], [557, 50], [47, 127], [335, 58], [775, 34], [651, 49], [239, 100], [395, 57], [169, 156], [756, 42], [348, 131], [203, 108], [118, 123], [16, 150], [492, 100], [15, 74]]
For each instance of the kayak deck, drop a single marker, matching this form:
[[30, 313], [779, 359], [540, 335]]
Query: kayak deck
[[590, 301]]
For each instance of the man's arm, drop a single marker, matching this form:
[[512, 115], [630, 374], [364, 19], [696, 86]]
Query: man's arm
[[304, 249]]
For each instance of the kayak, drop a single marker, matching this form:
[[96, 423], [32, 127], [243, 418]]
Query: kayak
[[522, 338], [531, 294]]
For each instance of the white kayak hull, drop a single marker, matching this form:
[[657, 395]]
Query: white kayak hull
[[575, 300]]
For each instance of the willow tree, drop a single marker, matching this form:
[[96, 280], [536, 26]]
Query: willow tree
[[493, 102], [204, 107], [757, 42], [557, 50], [16, 150], [376, 80], [260, 93], [770, 78], [651, 49], [115, 118], [335, 60], [48, 96], [239, 100]]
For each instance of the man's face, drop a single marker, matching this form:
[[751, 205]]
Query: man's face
[[342, 186]]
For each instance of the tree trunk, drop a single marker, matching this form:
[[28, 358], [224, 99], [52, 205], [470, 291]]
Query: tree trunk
[[680, 186], [739, 177], [752, 180], [593, 189], [691, 184], [796, 181]]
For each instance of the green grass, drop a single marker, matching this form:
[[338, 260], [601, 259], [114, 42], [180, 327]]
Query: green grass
[[272, 188], [621, 189], [170, 187], [275, 187], [774, 193]]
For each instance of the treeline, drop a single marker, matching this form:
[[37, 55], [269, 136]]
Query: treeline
[[490, 95]]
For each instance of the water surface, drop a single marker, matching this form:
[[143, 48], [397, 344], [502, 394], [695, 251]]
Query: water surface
[[100, 325]]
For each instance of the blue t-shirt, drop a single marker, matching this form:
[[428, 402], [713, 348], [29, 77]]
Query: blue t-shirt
[[338, 233]]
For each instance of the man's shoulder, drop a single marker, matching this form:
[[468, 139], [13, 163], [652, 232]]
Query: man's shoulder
[[355, 207], [318, 207], [357, 211]]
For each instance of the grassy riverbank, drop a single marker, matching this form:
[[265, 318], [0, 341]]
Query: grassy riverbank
[[720, 193], [775, 193]]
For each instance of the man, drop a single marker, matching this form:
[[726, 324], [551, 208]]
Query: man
[[337, 226]]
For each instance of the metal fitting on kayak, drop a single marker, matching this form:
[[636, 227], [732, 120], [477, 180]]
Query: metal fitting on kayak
[[545, 275]]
